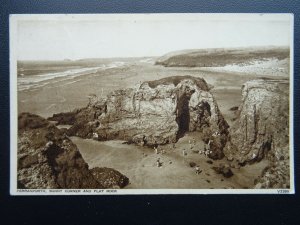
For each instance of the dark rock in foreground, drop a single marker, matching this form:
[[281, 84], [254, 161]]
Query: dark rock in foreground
[[109, 178], [155, 113], [49, 159], [224, 170]]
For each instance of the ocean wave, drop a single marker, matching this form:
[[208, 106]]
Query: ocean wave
[[37, 81]]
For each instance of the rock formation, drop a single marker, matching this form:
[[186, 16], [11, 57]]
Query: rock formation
[[262, 130], [156, 113], [49, 159]]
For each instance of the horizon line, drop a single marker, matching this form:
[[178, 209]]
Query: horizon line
[[148, 56]]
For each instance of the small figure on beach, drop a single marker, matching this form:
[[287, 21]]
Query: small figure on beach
[[207, 146], [155, 150], [183, 152], [191, 144], [217, 133], [206, 153], [198, 171], [158, 163], [95, 136]]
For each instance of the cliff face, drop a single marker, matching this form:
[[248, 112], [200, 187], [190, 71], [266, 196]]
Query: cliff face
[[262, 130], [157, 112], [48, 159]]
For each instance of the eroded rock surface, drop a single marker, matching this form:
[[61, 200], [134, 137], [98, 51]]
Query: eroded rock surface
[[261, 130], [157, 112], [109, 178], [49, 159]]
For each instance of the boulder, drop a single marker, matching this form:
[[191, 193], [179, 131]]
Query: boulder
[[47, 158], [155, 113], [223, 169], [109, 178]]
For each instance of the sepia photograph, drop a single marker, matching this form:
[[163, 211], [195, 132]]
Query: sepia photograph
[[151, 104]]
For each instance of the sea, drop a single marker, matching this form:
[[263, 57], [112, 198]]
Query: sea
[[26, 82]]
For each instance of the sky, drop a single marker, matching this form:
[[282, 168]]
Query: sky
[[58, 37]]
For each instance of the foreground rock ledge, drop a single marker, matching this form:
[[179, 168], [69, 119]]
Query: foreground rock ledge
[[49, 159], [155, 113]]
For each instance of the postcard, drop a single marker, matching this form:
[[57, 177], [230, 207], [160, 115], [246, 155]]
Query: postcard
[[151, 104]]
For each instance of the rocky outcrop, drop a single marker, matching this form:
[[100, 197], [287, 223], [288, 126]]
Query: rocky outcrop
[[277, 175], [261, 130], [109, 178], [155, 113], [47, 158]]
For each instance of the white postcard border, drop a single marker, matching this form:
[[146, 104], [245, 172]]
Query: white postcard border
[[13, 33]]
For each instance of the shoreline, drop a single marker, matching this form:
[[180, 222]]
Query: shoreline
[[69, 94], [38, 100]]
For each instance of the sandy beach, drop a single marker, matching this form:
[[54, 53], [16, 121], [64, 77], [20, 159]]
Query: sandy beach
[[139, 165], [66, 93]]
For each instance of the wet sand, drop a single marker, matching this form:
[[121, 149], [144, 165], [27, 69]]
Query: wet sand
[[139, 165]]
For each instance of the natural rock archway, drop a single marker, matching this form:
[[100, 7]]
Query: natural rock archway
[[183, 110], [157, 112]]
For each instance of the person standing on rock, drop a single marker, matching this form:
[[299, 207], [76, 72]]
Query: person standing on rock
[[184, 152]]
